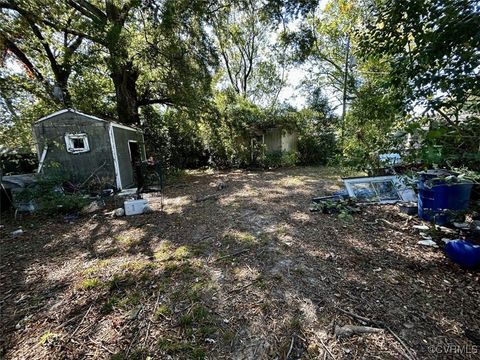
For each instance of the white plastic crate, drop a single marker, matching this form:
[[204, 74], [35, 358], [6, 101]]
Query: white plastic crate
[[135, 207]]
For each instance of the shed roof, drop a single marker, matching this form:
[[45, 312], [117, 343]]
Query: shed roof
[[73, 111]]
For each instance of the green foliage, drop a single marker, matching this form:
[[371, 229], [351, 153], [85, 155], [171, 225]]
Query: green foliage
[[440, 145], [344, 209], [48, 338], [173, 137], [49, 198], [88, 284], [372, 121], [277, 159], [317, 143], [433, 48]]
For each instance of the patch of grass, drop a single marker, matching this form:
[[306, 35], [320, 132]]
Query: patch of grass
[[228, 336], [187, 350], [278, 277], [109, 305], [207, 330], [127, 241], [135, 354], [48, 338], [185, 320], [125, 301], [120, 282], [240, 237], [265, 307], [291, 181], [170, 269], [260, 283], [263, 238], [138, 265], [181, 253], [131, 299], [296, 323], [199, 316], [138, 354], [161, 311], [200, 313], [88, 284], [282, 230], [164, 251], [99, 265]]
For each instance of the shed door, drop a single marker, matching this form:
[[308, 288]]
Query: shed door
[[135, 155]]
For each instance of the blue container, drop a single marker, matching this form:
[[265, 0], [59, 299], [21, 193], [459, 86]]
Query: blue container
[[464, 253], [440, 201]]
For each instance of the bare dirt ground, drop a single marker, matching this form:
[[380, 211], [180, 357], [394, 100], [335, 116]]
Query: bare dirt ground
[[248, 273]]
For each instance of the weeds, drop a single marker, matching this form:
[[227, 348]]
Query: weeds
[[161, 312], [127, 241], [48, 338], [99, 265], [181, 253], [88, 284], [241, 237], [188, 350]]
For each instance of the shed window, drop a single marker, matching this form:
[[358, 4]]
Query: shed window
[[76, 143]]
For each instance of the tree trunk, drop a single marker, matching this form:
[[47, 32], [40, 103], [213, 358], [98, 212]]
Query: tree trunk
[[124, 78], [61, 80]]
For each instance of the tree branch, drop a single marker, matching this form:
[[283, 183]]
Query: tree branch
[[21, 56], [89, 10], [162, 101]]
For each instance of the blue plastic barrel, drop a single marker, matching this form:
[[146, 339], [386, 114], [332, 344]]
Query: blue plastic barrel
[[464, 253], [434, 200]]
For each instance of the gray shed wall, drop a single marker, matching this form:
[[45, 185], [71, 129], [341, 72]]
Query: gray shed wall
[[122, 136], [273, 140], [289, 141], [78, 166]]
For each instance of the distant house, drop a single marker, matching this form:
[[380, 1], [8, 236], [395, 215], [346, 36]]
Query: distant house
[[86, 146], [273, 140]]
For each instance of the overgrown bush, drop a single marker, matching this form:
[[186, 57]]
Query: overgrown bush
[[317, 148], [445, 146], [174, 139], [277, 159], [49, 197]]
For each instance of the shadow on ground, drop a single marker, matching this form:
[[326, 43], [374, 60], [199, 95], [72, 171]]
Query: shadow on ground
[[249, 273]]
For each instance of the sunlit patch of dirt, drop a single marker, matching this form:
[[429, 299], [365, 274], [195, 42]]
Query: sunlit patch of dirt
[[241, 271]]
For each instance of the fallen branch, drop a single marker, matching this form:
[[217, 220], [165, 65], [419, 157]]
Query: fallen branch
[[66, 322], [101, 345], [291, 347], [358, 317], [150, 322], [243, 287], [409, 355], [92, 174], [326, 348], [348, 330], [135, 335], [81, 321], [391, 225]]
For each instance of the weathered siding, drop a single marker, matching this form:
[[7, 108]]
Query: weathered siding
[[289, 141], [122, 136], [79, 166], [273, 140]]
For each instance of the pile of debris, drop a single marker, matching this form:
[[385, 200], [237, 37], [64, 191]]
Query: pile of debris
[[445, 234]]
